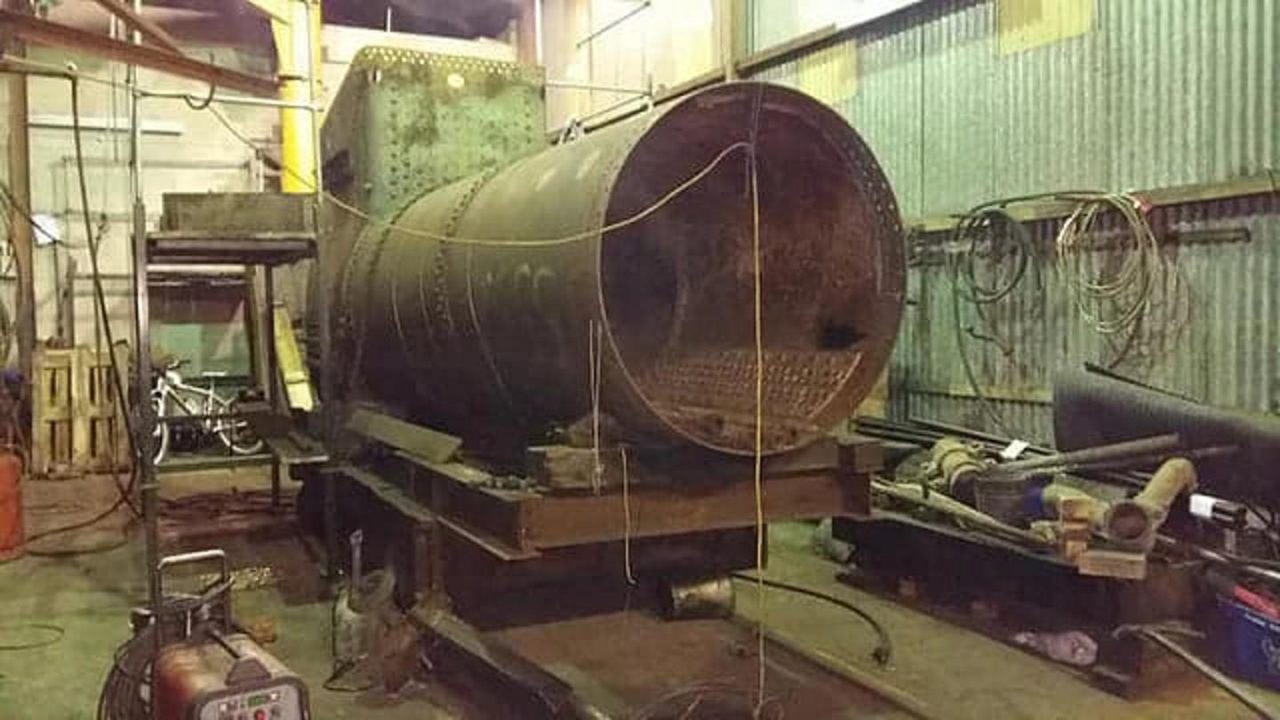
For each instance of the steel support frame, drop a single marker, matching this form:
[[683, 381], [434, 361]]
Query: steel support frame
[[138, 23], [517, 536], [43, 32]]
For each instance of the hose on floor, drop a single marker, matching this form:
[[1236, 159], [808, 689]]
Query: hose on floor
[[883, 651]]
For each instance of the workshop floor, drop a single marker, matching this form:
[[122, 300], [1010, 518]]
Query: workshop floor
[[953, 672]]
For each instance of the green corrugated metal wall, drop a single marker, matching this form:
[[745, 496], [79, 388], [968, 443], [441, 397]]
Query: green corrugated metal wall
[[1158, 93]]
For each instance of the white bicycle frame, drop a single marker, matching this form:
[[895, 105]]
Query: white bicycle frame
[[173, 392]]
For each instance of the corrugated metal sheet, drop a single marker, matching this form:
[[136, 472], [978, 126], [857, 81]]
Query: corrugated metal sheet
[[1160, 93], [1212, 333]]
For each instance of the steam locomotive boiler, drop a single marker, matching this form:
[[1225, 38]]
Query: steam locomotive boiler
[[534, 359]]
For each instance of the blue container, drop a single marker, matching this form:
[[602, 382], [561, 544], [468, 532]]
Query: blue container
[[1248, 644]]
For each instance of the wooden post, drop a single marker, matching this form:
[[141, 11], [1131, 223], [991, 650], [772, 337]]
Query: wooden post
[[20, 188]]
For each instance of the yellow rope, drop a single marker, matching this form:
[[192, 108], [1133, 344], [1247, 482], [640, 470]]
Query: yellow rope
[[594, 354], [759, 439], [550, 242], [626, 522], [672, 194]]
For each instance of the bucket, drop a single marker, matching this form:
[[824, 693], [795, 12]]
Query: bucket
[[1001, 499], [1247, 644], [12, 538]]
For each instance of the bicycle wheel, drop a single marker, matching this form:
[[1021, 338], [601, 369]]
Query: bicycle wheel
[[235, 432], [159, 434]]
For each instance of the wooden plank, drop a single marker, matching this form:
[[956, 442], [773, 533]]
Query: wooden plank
[[861, 454], [43, 32], [561, 467], [572, 520], [293, 370], [409, 507], [424, 442], [51, 413]]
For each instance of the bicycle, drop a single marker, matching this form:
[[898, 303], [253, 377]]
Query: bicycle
[[211, 413]]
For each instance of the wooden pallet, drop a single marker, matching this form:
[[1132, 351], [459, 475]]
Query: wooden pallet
[[77, 425]]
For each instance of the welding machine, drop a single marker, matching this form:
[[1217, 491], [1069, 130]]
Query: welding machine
[[201, 668]]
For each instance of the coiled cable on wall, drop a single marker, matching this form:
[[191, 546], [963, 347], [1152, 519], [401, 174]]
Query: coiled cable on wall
[[967, 238], [1112, 303]]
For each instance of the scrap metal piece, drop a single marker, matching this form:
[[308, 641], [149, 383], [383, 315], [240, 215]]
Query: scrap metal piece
[[697, 598]]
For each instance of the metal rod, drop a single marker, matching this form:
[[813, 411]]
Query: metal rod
[[312, 94], [537, 31], [573, 85], [43, 32], [613, 23], [11, 63], [229, 100], [269, 381], [1222, 681], [559, 132], [728, 59], [149, 488], [1114, 451]]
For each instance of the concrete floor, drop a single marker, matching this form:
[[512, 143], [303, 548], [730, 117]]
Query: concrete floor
[[955, 673]]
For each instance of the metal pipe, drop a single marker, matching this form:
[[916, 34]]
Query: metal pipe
[[230, 100], [613, 23], [537, 31], [1102, 453], [62, 71], [573, 85], [728, 59], [488, 336], [297, 128]]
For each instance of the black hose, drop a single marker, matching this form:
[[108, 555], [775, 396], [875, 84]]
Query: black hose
[[883, 652], [55, 634], [125, 490]]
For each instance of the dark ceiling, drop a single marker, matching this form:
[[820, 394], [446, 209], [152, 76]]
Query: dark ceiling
[[455, 18]]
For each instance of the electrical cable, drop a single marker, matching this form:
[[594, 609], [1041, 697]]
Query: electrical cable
[[125, 491], [1115, 303], [965, 286], [883, 652], [56, 634], [695, 693]]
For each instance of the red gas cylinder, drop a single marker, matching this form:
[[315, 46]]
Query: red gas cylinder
[[11, 534]]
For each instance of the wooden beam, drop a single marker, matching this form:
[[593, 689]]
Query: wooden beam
[[43, 32], [19, 162], [558, 521], [149, 29]]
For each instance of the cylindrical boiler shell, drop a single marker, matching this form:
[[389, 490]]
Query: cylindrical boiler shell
[[491, 333]]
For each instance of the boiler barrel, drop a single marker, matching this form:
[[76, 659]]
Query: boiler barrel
[[486, 307]]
